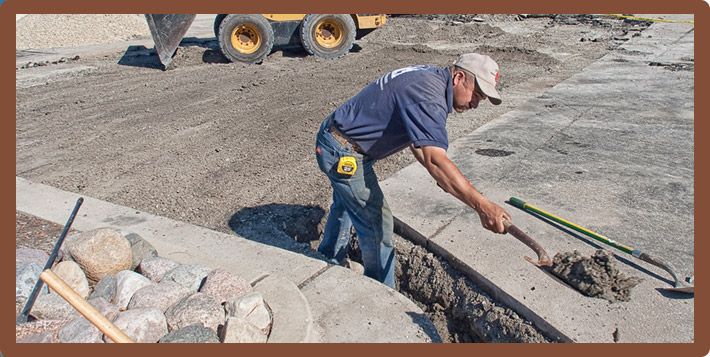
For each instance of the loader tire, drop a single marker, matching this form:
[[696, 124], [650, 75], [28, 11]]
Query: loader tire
[[246, 38], [328, 36], [217, 22]]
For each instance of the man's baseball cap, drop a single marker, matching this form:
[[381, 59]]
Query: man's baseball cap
[[486, 71]]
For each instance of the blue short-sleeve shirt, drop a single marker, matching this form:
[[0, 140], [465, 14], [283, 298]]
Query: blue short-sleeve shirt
[[405, 106]]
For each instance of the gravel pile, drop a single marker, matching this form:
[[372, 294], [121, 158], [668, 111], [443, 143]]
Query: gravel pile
[[43, 31]]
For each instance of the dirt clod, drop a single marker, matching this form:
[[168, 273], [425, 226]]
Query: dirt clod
[[596, 276]]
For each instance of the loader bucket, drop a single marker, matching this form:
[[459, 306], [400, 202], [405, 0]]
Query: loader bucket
[[167, 31]]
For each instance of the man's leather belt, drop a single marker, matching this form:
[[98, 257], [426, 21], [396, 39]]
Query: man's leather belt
[[341, 138]]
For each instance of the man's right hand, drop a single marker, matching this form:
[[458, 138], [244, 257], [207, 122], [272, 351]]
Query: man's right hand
[[492, 215]]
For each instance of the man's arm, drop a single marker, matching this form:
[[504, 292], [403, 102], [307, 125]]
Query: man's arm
[[450, 179]]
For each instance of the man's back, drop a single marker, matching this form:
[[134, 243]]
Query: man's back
[[405, 106]]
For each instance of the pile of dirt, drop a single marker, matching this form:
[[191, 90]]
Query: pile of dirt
[[596, 276]]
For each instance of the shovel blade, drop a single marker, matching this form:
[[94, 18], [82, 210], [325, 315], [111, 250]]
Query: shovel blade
[[684, 289]]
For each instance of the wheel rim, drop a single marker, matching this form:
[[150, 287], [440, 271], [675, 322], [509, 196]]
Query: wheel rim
[[329, 33], [246, 38]]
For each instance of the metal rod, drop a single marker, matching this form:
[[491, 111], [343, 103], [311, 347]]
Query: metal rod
[[38, 286]]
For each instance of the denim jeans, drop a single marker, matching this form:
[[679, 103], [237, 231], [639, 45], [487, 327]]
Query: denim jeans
[[357, 202]]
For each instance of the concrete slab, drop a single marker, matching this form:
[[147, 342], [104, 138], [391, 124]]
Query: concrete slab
[[610, 149], [366, 311], [291, 313]]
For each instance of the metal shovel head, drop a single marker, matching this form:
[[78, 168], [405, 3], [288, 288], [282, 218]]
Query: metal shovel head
[[167, 31], [684, 289]]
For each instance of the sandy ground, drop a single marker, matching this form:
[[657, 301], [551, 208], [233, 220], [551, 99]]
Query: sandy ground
[[229, 146]]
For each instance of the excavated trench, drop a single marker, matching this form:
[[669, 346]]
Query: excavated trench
[[460, 309]]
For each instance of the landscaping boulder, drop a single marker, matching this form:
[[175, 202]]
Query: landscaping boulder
[[142, 325], [190, 276], [198, 307], [154, 268], [72, 274], [101, 252], [127, 283], [195, 333], [223, 285], [160, 295]]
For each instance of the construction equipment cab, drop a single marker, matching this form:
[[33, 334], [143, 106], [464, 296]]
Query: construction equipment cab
[[249, 38]]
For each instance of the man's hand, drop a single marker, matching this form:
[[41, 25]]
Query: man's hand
[[492, 216]]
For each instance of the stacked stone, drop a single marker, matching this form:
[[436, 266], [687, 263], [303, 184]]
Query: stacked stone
[[150, 298]]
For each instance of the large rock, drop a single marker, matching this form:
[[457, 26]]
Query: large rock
[[52, 307], [64, 254], [26, 277], [101, 252], [195, 333], [196, 308], [127, 283], [38, 337], [223, 285], [72, 274], [104, 307], [80, 330], [144, 325], [237, 330], [160, 295], [26, 255], [154, 268], [105, 288], [190, 276], [140, 249], [251, 308]]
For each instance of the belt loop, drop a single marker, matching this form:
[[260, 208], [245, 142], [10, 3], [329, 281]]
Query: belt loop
[[329, 121]]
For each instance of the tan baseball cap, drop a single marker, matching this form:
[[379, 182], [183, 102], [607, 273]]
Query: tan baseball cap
[[486, 71]]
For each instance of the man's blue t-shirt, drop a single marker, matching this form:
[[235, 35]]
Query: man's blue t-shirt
[[405, 106]]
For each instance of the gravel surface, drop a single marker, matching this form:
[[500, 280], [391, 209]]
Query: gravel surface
[[45, 31], [229, 146]]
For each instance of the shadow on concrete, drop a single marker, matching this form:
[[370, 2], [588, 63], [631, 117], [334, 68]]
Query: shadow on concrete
[[289, 227], [425, 324]]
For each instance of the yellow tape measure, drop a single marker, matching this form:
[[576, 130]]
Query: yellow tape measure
[[347, 165]]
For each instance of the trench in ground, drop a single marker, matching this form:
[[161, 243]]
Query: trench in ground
[[460, 309]]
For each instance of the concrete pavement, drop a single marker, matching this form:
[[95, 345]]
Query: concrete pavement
[[610, 149]]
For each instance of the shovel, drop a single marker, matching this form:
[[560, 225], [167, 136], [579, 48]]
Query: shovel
[[679, 284], [543, 260]]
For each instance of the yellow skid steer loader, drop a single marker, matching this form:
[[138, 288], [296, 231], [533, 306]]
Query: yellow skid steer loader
[[249, 38]]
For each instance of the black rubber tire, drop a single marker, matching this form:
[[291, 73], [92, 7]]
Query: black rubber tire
[[309, 40], [257, 23], [217, 22]]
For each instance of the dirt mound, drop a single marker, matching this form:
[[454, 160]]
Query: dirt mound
[[596, 276]]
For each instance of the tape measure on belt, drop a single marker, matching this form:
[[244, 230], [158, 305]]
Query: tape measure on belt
[[347, 165]]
